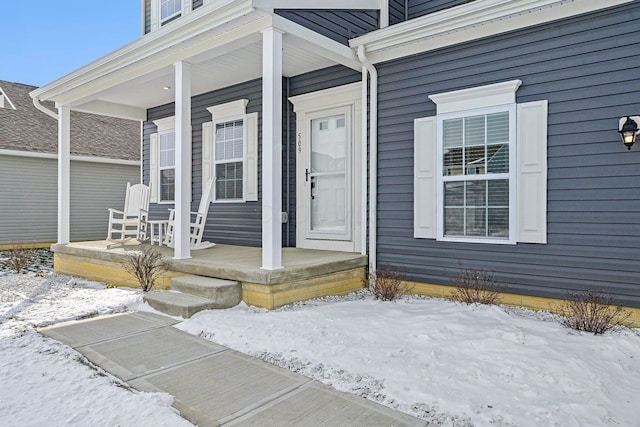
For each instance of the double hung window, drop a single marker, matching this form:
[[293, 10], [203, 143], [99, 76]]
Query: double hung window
[[475, 174], [229, 160], [480, 169], [230, 152], [167, 165], [169, 9]]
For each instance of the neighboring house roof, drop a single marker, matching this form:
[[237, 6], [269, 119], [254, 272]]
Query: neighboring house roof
[[25, 128]]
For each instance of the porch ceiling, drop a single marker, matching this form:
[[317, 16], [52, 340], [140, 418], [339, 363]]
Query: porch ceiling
[[223, 50]]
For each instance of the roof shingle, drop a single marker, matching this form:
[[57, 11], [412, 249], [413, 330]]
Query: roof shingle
[[28, 129]]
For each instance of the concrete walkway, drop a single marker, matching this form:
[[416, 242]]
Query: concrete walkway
[[214, 385]]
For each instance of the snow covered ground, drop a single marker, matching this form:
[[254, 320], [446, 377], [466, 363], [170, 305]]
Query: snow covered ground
[[451, 364], [44, 383]]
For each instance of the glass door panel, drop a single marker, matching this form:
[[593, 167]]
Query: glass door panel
[[328, 177]]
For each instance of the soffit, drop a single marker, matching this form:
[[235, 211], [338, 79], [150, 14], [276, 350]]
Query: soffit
[[221, 51]]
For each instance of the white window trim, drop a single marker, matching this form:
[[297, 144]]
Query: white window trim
[[511, 176], [243, 160], [529, 216], [473, 101], [164, 126], [156, 18], [227, 112]]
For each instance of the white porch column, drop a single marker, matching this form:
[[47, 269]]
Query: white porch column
[[182, 248], [271, 149], [64, 174]]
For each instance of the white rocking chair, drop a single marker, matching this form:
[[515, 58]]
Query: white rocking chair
[[131, 222], [199, 222]]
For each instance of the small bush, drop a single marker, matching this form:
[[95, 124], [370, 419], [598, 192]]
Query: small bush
[[146, 266], [475, 286], [387, 284], [591, 311], [19, 257]]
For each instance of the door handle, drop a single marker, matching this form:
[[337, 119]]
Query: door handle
[[313, 188], [306, 175]]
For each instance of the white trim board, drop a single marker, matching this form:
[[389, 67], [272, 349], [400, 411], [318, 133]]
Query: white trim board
[[470, 21], [4, 97], [34, 155]]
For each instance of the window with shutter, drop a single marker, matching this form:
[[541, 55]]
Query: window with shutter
[[480, 175], [230, 152]]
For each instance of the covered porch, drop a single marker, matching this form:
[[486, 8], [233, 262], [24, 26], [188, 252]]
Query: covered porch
[[216, 47], [306, 274]]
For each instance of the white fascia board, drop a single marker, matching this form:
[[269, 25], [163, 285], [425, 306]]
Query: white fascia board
[[235, 38], [317, 4], [468, 22], [323, 46], [51, 156], [7, 99], [112, 109], [208, 17]]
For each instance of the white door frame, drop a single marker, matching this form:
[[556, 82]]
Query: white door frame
[[307, 107]]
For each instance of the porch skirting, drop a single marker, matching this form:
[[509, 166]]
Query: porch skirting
[[307, 273]]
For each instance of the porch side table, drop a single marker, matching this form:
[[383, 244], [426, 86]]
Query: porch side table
[[162, 225]]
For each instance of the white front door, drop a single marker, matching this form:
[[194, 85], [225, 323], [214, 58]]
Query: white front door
[[328, 176], [328, 166]]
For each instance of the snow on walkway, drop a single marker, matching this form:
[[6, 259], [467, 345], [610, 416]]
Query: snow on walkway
[[45, 383], [448, 363], [451, 364]]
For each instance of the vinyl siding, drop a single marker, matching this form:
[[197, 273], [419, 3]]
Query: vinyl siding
[[240, 223], [586, 71], [29, 201], [397, 11], [402, 10], [417, 8], [340, 25], [230, 223]]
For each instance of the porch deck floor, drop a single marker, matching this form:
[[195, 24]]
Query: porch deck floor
[[241, 263]]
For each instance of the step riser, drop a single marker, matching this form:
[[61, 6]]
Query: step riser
[[225, 293], [176, 309]]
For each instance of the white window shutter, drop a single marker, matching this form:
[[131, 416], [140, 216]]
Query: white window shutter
[[153, 167], [251, 159], [207, 152], [424, 179], [531, 148]]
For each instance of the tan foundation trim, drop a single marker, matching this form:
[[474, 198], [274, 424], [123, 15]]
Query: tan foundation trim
[[274, 296], [516, 300], [107, 272], [38, 245]]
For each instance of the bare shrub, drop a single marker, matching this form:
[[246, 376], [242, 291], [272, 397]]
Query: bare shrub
[[475, 286], [591, 311], [146, 265], [19, 257], [387, 284]]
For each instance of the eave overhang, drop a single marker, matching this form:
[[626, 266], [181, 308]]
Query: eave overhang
[[223, 44], [467, 22]]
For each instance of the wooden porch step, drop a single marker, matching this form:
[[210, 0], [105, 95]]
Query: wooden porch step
[[226, 293], [178, 303]]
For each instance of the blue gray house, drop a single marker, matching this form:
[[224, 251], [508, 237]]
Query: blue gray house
[[423, 134]]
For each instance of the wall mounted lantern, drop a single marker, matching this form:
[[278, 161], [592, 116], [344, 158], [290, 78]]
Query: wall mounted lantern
[[628, 129]]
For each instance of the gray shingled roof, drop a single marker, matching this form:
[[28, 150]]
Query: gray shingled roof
[[28, 129]]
